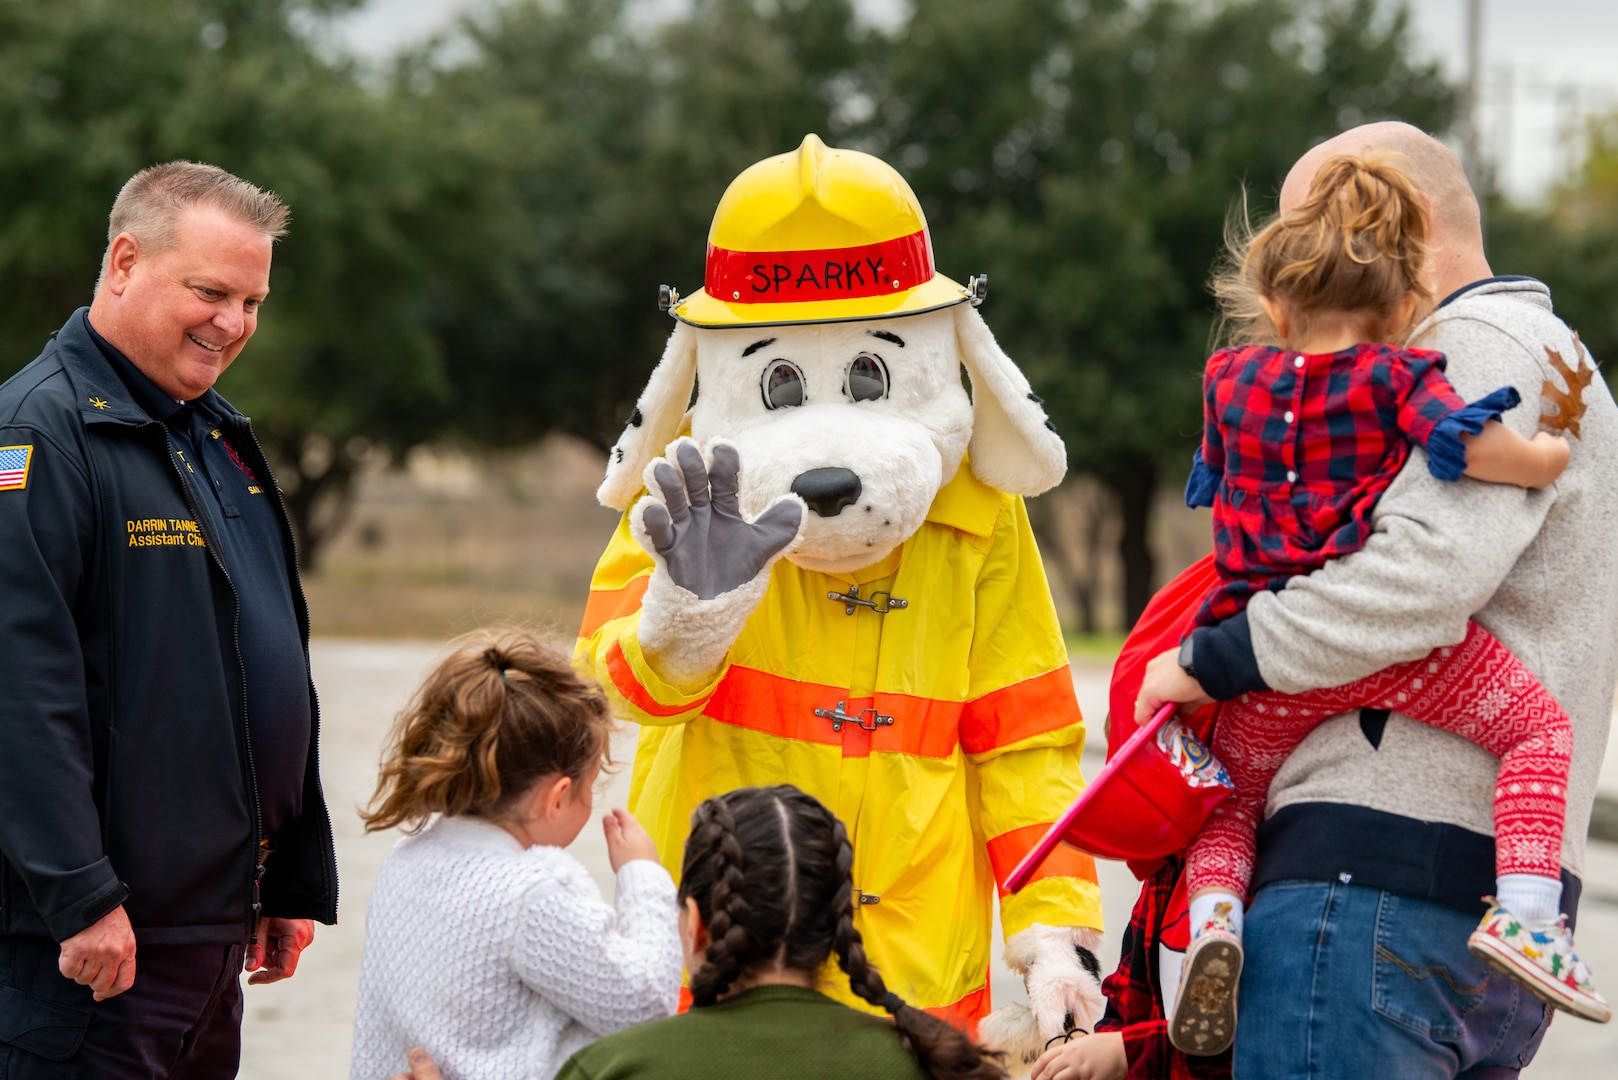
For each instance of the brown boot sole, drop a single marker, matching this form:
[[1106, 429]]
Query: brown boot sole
[[1204, 1018]]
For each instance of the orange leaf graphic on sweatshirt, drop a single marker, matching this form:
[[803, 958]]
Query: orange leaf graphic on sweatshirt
[[1567, 406]]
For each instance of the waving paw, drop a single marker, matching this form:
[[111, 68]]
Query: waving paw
[[713, 565], [695, 523]]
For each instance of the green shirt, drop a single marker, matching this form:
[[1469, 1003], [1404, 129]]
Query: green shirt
[[770, 1031]]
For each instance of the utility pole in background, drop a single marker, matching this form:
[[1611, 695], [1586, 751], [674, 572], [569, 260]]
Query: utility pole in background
[[1471, 93], [1505, 90]]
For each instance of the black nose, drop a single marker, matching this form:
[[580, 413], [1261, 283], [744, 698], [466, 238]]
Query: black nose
[[827, 491]]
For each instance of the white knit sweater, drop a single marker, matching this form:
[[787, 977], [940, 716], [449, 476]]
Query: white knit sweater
[[503, 961]]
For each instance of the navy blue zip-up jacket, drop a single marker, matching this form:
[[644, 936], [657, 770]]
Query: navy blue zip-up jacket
[[126, 767]]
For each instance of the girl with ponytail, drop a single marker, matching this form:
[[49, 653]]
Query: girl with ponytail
[[766, 898], [485, 942], [1302, 435]]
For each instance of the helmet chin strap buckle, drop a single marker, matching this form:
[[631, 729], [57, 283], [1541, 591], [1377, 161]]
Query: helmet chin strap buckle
[[865, 719], [880, 602]]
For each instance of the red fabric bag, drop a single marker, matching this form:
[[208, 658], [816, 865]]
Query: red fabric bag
[[1160, 782]]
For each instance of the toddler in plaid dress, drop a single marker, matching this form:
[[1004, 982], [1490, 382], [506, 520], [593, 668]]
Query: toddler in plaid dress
[[1300, 441]]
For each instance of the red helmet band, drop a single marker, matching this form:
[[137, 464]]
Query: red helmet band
[[784, 277]]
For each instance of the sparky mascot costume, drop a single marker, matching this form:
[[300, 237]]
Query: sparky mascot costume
[[825, 577]]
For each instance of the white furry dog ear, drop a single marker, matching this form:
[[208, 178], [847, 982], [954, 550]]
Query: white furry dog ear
[[655, 422], [1014, 448]]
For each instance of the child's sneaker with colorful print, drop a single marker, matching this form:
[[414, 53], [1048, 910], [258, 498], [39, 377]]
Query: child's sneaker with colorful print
[[1542, 961], [1204, 1018]]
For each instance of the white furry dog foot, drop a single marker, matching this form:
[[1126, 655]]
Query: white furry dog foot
[[1063, 978], [1012, 1030]]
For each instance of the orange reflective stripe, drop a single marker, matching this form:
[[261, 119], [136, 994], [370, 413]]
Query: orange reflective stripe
[[775, 705], [623, 677], [606, 605], [1008, 849], [1019, 711], [966, 1012]]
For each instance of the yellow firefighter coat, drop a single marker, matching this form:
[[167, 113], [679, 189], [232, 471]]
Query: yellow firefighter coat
[[981, 756]]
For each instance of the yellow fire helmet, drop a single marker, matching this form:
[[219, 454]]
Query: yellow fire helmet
[[818, 235]]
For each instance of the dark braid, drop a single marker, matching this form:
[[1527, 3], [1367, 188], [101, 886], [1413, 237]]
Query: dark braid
[[729, 948], [846, 941], [771, 872], [942, 1051]]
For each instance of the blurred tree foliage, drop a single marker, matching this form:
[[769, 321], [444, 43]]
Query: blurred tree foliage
[[609, 142], [1085, 154], [478, 231], [93, 90], [1571, 243], [1088, 165]]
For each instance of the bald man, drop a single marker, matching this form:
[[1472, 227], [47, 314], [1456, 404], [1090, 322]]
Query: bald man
[[1378, 843]]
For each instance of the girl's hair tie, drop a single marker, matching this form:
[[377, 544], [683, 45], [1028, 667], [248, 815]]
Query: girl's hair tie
[[892, 1002]]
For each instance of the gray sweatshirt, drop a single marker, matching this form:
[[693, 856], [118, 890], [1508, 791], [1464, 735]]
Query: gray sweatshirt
[[1406, 806]]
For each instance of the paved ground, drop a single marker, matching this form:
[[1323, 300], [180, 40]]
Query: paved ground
[[300, 1029]]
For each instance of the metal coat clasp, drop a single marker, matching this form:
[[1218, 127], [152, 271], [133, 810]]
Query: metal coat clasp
[[865, 719], [879, 602]]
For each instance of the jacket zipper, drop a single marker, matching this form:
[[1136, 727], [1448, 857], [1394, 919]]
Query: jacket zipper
[[241, 665], [309, 675]]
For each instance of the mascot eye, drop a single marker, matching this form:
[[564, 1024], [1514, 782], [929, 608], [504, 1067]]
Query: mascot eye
[[782, 386], [867, 378]]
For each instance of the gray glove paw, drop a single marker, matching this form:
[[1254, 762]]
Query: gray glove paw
[[698, 528]]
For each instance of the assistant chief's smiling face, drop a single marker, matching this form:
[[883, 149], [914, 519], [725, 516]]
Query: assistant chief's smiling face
[[187, 311]]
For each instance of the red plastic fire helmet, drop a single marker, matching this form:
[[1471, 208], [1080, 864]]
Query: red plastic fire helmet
[[1160, 782]]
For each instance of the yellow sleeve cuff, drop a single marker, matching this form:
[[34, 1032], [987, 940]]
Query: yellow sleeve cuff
[[1057, 901], [646, 696]]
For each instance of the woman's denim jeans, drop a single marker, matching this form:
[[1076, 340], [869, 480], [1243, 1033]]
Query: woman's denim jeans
[[1342, 981]]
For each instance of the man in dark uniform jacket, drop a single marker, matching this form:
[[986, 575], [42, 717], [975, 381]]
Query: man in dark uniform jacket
[[161, 819]]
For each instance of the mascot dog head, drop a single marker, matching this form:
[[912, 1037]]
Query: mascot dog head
[[828, 352]]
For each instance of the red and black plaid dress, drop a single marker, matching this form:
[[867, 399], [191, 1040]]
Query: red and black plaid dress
[[1296, 451], [1135, 1005], [1298, 448]]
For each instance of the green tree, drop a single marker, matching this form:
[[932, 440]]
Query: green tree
[[1571, 243], [477, 234], [611, 141], [90, 92], [1088, 163]]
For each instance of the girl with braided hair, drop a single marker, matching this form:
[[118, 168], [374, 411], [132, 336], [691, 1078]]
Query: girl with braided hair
[[766, 898], [486, 943]]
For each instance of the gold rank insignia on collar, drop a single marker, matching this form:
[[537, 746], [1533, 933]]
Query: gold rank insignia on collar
[[100, 403]]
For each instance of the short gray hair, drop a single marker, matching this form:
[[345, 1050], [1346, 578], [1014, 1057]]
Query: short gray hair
[[150, 204]]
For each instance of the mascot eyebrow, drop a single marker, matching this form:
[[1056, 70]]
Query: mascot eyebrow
[[757, 345], [887, 335]]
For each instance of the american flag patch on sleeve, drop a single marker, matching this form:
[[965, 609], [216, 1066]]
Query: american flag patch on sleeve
[[14, 467]]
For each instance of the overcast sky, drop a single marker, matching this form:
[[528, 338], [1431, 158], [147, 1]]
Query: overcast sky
[[1547, 64]]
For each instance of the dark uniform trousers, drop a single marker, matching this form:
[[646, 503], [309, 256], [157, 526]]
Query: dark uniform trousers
[[181, 1020]]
